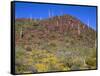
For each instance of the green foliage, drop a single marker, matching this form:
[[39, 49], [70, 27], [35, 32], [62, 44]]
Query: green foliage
[[38, 27], [91, 62], [53, 48], [47, 61]]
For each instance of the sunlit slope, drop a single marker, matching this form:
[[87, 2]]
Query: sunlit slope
[[59, 43]]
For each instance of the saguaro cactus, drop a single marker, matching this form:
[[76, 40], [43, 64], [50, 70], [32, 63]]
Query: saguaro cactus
[[83, 27], [21, 33], [52, 13], [40, 18], [95, 43], [88, 23], [78, 29], [49, 14], [57, 23], [30, 18], [72, 25]]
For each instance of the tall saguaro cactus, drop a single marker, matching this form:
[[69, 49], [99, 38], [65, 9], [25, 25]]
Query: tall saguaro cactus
[[78, 29], [49, 14], [30, 18], [95, 43], [88, 23], [72, 25], [57, 23], [40, 18], [21, 33], [52, 13], [83, 27]]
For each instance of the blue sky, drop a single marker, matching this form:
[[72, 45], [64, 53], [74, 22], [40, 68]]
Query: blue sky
[[84, 13]]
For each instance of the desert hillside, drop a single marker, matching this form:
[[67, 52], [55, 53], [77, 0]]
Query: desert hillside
[[59, 43]]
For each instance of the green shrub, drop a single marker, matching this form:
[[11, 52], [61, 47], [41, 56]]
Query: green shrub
[[91, 61]]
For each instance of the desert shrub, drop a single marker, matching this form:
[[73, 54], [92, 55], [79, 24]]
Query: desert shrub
[[19, 61], [91, 58], [21, 68], [72, 42], [46, 61], [39, 27], [52, 45], [93, 54], [28, 49], [78, 61], [41, 67], [23, 61], [20, 52], [25, 69], [91, 62], [62, 67]]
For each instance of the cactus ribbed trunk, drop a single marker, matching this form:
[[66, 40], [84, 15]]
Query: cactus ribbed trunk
[[21, 33], [78, 29]]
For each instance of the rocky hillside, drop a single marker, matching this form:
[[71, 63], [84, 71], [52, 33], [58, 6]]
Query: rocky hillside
[[57, 28], [62, 37]]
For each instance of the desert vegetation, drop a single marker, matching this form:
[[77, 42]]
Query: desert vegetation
[[60, 43]]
